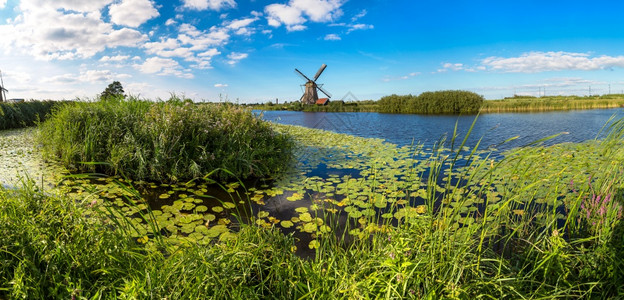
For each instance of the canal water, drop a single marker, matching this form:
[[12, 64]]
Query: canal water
[[403, 129]]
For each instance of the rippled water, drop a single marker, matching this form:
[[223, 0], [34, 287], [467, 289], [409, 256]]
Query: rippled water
[[494, 129]]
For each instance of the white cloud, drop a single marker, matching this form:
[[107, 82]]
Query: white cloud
[[293, 15], [241, 26], [453, 66], [235, 57], [354, 27], [2, 3], [162, 66], [209, 4], [96, 76], [201, 40], [237, 24], [360, 15], [57, 30], [404, 77], [220, 85], [67, 5], [170, 22], [283, 14], [85, 76], [116, 58], [332, 37], [210, 53], [168, 48], [132, 13], [534, 62]]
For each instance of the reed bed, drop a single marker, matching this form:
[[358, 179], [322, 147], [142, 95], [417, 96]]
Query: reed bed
[[163, 141], [24, 114], [550, 104]]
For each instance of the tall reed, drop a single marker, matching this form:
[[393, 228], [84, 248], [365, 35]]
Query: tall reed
[[24, 114], [163, 141]]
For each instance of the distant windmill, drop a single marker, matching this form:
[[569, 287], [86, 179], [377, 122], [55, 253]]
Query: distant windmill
[[310, 96], [2, 89]]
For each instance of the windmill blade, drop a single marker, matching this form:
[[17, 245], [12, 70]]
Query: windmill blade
[[320, 71], [301, 74], [324, 91]]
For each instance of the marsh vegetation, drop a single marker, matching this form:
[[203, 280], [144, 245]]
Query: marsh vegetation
[[163, 141]]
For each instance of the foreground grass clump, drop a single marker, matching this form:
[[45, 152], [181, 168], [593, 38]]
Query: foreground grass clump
[[24, 114], [55, 248], [164, 141]]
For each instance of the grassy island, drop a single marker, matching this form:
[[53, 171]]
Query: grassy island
[[163, 141]]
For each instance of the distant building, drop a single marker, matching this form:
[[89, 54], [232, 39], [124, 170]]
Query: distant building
[[322, 101], [16, 100]]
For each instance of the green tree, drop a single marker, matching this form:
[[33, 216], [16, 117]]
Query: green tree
[[113, 91]]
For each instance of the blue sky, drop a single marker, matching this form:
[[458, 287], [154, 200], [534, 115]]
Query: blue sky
[[246, 51]]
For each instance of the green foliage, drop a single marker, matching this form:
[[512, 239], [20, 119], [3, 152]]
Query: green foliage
[[396, 104], [113, 91], [24, 114], [440, 102], [167, 141], [55, 249]]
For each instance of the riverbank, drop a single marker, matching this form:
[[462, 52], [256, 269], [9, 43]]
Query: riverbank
[[514, 104], [380, 220]]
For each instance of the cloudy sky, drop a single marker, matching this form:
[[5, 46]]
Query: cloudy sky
[[211, 50]]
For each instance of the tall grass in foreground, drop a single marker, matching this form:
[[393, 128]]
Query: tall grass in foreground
[[163, 141], [545, 222], [24, 114]]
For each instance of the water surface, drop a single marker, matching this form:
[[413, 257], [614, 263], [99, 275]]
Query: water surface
[[495, 128]]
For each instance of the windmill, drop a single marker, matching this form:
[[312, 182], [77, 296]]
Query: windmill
[[310, 96], [2, 89]]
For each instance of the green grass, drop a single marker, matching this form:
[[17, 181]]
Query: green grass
[[552, 103], [544, 222], [163, 141], [24, 114]]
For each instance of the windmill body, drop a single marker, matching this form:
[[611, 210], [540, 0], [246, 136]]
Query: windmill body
[[310, 95], [2, 89]]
